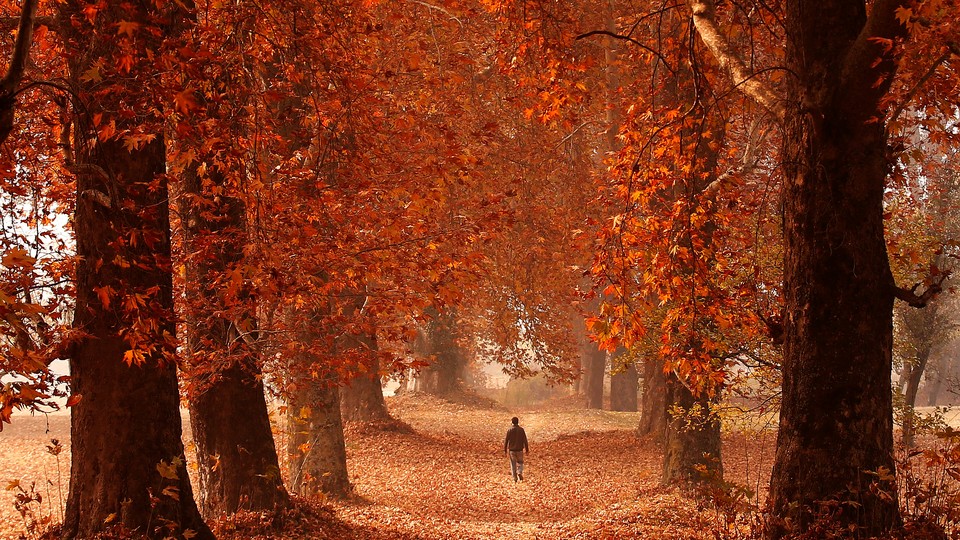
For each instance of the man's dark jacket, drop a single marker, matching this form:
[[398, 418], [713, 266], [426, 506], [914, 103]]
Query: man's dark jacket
[[516, 440]]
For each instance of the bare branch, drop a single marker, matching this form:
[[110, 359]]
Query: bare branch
[[631, 40], [747, 163], [705, 21], [911, 297]]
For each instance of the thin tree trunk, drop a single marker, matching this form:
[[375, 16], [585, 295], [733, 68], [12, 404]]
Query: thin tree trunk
[[936, 382], [910, 395]]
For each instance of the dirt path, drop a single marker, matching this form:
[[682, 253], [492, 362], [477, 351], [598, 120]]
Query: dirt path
[[587, 476]]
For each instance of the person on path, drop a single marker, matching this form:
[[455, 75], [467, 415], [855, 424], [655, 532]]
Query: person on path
[[515, 444]]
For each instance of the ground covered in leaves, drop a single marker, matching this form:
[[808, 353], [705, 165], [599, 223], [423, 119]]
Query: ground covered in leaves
[[440, 473]]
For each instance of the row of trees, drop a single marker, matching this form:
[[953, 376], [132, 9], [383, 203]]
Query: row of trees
[[281, 197]]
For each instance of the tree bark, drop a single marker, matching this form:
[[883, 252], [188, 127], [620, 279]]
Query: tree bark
[[127, 423], [653, 417], [624, 386], [594, 361], [238, 464], [361, 400], [836, 429], [692, 442], [127, 464], [444, 375], [316, 449], [237, 458]]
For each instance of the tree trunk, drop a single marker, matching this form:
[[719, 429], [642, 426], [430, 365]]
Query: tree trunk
[[127, 424], [237, 458], [447, 361], [624, 387], [653, 417], [836, 429], [361, 400], [945, 371], [916, 372], [236, 455], [594, 361], [316, 449], [127, 464], [692, 442]]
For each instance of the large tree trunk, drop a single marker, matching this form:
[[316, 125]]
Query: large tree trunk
[[127, 463], [316, 449], [127, 423], [236, 455], [836, 429], [238, 464], [692, 443], [653, 414], [447, 362]]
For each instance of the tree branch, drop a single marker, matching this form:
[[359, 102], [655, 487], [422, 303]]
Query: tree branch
[[911, 297], [18, 64], [705, 21], [916, 88], [631, 40]]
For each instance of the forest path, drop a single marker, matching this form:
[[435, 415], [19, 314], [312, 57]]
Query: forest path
[[587, 477], [585, 473]]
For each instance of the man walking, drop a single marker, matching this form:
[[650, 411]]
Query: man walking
[[515, 445]]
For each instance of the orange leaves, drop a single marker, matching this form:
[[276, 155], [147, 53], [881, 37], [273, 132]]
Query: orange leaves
[[106, 294], [185, 101], [135, 142], [127, 27]]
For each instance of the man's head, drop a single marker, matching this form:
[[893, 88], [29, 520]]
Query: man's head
[[515, 420]]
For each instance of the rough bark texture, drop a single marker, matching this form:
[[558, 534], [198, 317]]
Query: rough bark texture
[[126, 429], [836, 417], [128, 420], [624, 387], [691, 450], [238, 464], [316, 450], [653, 415]]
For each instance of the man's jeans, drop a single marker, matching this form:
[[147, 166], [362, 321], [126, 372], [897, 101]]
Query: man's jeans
[[516, 464]]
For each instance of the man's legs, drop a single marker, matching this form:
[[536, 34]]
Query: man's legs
[[516, 465]]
